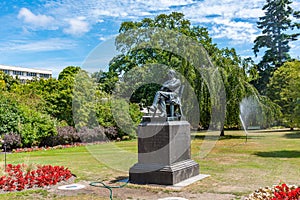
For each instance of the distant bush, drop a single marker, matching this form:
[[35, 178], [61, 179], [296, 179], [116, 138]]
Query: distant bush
[[35, 127], [126, 123], [65, 135], [12, 141], [69, 135], [111, 133], [89, 135]]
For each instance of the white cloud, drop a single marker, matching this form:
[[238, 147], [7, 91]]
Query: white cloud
[[249, 13], [175, 3], [239, 32], [52, 44], [77, 26], [228, 19], [36, 21]]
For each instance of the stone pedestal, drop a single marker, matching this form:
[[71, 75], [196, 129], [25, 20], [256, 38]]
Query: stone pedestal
[[164, 154]]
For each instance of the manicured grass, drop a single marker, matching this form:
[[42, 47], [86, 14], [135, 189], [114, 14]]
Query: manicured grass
[[236, 166]]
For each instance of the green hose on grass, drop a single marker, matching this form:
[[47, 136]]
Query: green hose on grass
[[103, 185]]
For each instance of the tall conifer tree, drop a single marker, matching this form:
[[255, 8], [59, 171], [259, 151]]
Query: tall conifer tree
[[276, 28]]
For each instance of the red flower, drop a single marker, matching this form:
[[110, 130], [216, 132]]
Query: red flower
[[16, 179]]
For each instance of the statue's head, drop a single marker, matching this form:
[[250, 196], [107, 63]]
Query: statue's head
[[171, 73]]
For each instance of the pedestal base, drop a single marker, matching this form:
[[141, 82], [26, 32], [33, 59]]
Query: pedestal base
[[164, 153], [167, 175]]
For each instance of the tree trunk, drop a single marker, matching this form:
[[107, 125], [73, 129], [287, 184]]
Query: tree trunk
[[222, 132]]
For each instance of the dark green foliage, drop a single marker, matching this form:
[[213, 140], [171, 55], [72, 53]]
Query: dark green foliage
[[284, 90], [31, 124], [9, 115], [110, 113], [35, 126], [56, 96]]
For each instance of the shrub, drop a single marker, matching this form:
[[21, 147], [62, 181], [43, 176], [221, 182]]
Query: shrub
[[35, 127], [12, 141], [9, 115], [126, 124], [69, 135], [111, 133], [32, 125], [89, 135], [65, 135]]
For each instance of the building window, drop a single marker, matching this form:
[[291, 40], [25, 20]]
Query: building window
[[18, 73], [6, 71], [31, 74], [44, 75]]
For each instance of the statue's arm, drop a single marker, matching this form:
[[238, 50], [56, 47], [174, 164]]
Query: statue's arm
[[172, 85]]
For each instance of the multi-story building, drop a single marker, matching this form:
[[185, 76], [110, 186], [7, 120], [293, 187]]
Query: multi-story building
[[26, 73]]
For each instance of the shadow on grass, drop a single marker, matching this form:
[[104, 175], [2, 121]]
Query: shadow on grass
[[273, 131], [279, 154], [292, 135], [226, 137]]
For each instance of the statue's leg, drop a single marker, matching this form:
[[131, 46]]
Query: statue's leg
[[162, 104], [155, 102]]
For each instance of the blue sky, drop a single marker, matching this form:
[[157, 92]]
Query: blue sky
[[53, 34]]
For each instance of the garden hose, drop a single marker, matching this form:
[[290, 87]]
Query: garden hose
[[103, 185]]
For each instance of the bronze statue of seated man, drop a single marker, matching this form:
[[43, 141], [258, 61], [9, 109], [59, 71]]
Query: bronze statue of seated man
[[168, 92]]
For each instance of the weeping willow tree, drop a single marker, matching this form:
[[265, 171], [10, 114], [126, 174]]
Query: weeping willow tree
[[217, 76]]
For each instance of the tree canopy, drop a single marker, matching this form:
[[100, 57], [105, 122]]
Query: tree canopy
[[284, 90], [231, 67]]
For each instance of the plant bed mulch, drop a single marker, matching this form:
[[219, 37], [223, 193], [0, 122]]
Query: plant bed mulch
[[20, 177]]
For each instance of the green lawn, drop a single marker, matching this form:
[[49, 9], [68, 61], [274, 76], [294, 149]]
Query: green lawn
[[236, 166]]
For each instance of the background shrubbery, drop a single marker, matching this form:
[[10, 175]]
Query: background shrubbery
[[24, 122], [21, 125], [41, 112]]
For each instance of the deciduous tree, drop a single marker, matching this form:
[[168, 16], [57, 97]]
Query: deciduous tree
[[284, 90]]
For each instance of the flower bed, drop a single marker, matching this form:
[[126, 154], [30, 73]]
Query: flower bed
[[20, 177], [21, 150], [277, 192]]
